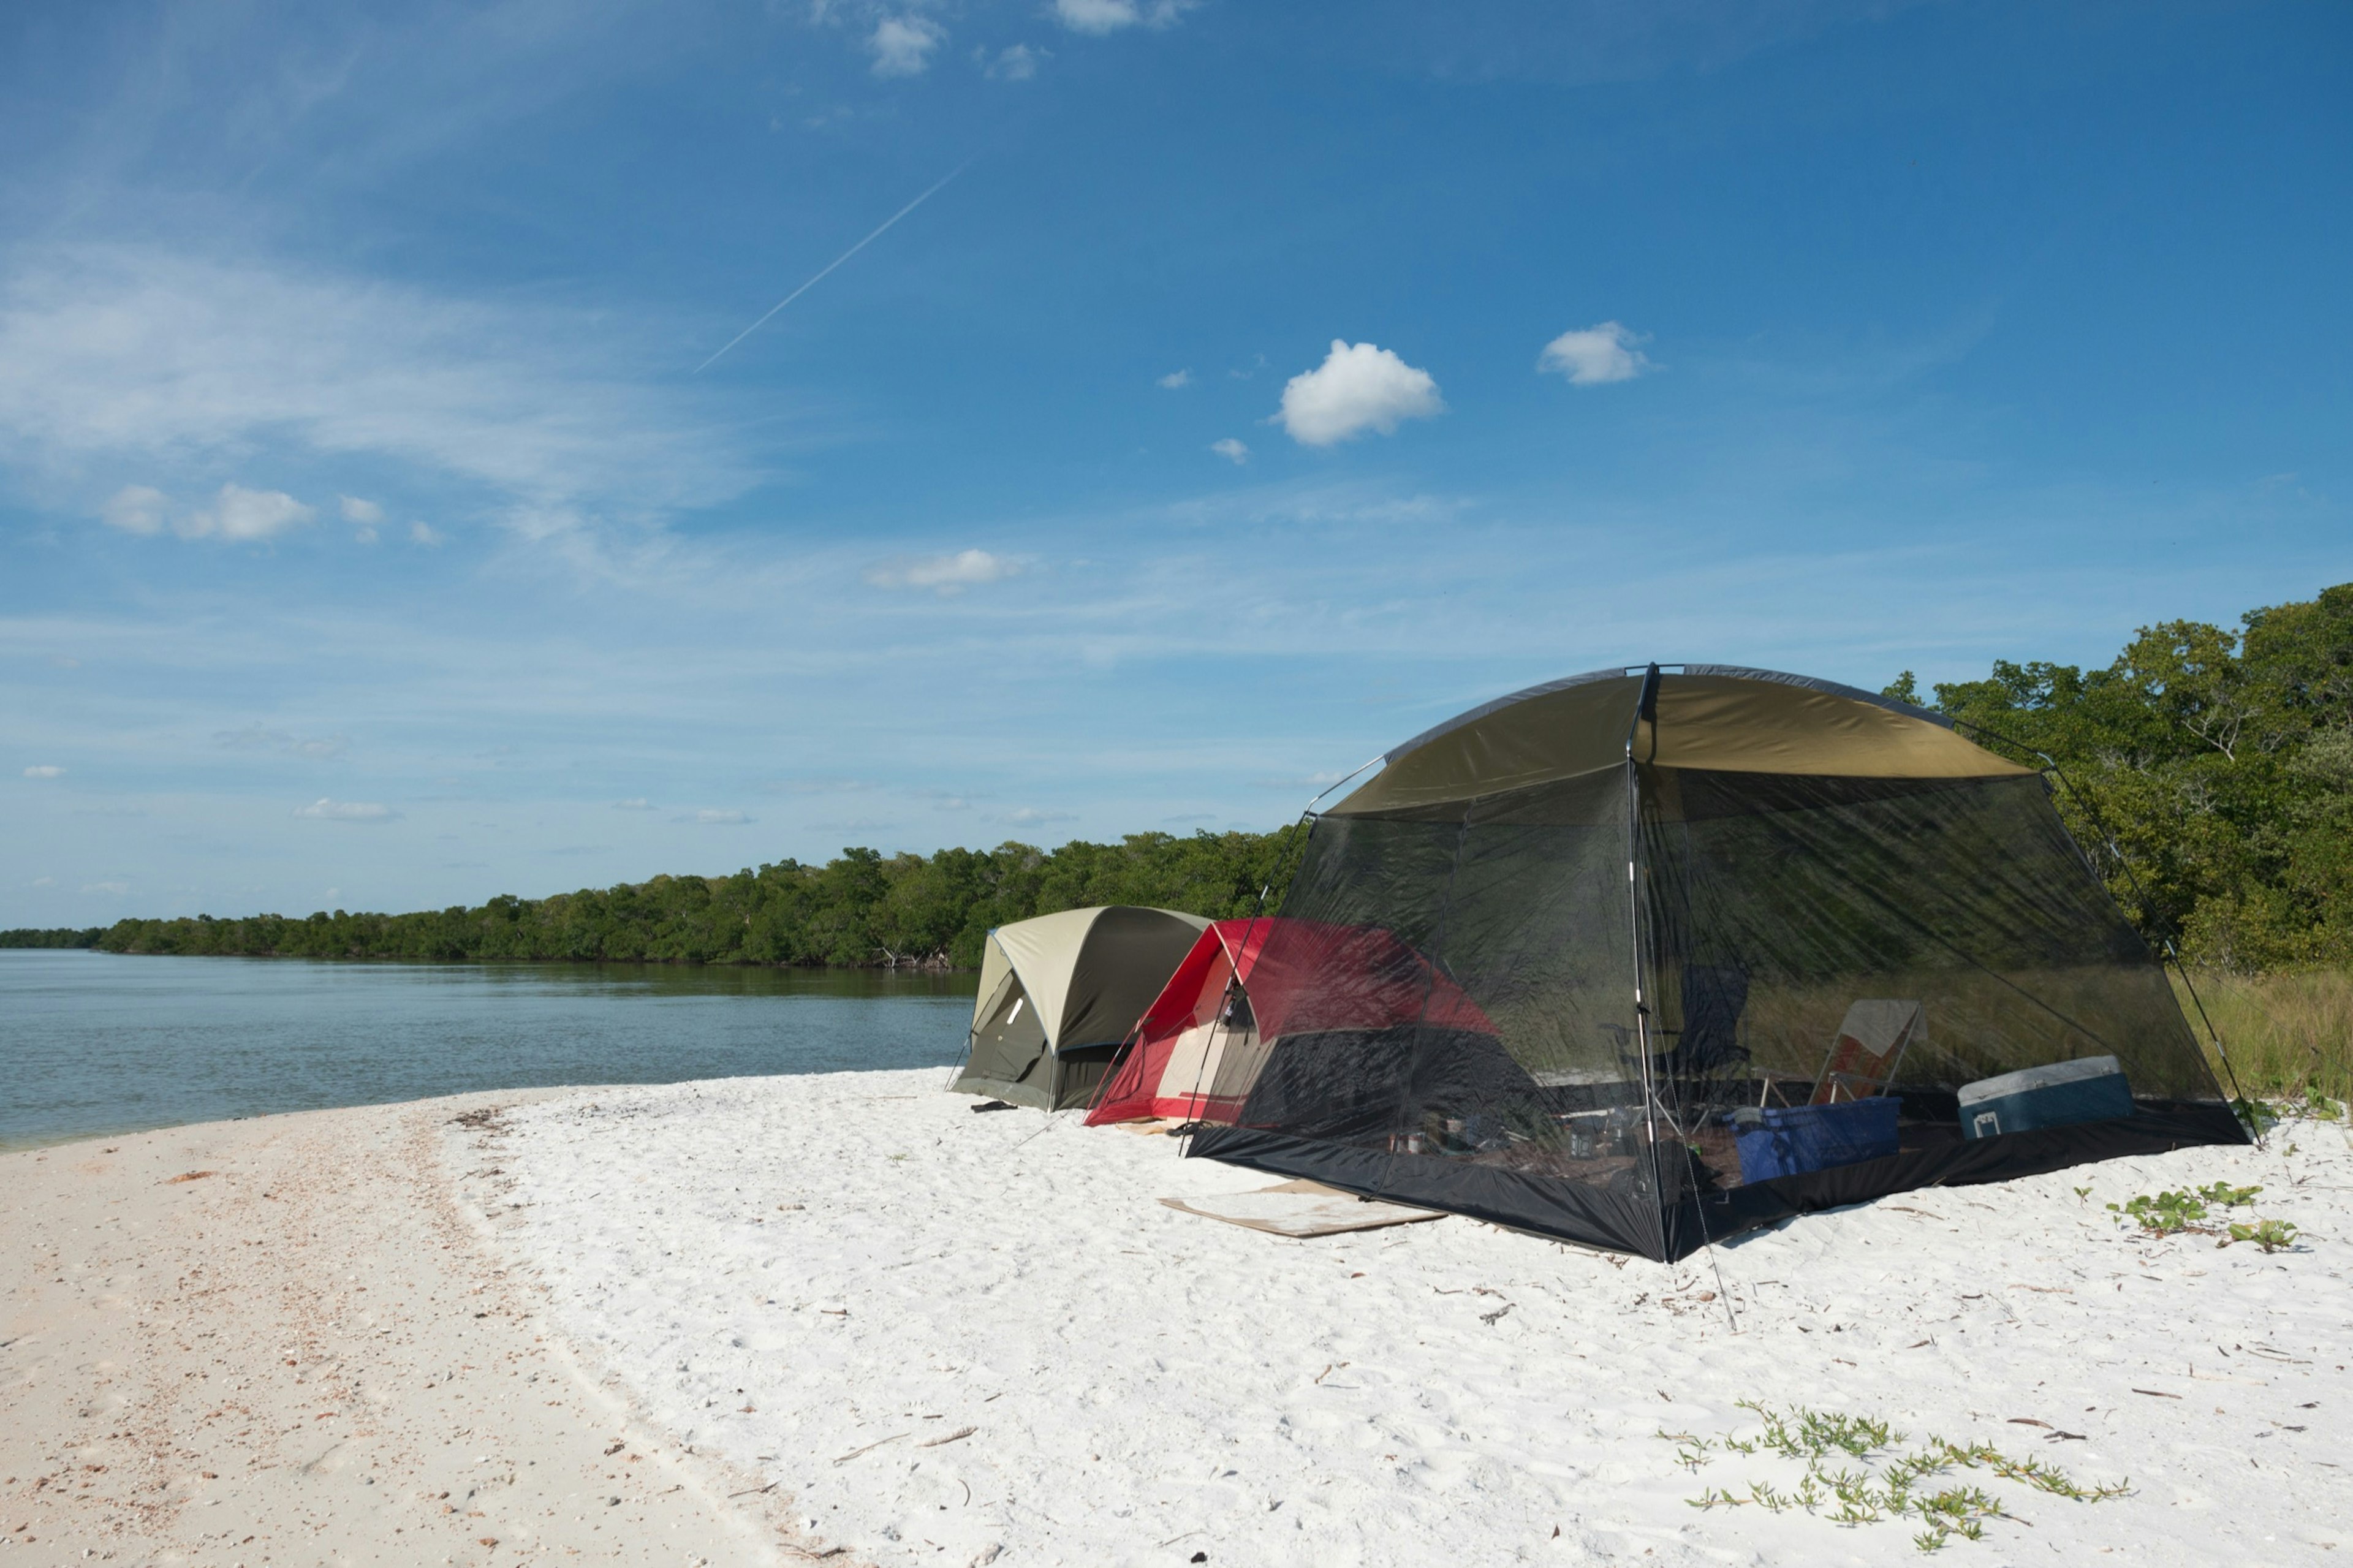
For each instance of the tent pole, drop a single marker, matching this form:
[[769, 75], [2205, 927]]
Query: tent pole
[[1646, 709], [1646, 706]]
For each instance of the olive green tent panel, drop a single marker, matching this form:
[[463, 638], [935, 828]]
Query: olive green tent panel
[[1008, 1057], [1713, 717], [1061, 993]]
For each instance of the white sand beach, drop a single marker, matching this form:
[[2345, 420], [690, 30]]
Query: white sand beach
[[944, 1338], [282, 1340]]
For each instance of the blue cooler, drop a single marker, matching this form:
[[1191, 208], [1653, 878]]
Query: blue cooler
[[2089, 1088], [1788, 1141]]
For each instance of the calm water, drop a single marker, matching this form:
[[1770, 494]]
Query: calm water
[[92, 1042]]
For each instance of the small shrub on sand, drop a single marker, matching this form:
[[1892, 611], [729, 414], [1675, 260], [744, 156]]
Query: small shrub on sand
[[2172, 1214], [2271, 1234], [2168, 1214], [1854, 1476]]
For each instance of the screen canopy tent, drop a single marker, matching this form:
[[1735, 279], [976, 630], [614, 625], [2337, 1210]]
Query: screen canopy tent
[[1058, 995], [1749, 942]]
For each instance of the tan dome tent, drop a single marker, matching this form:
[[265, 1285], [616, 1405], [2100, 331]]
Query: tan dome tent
[[1752, 945], [1061, 993]]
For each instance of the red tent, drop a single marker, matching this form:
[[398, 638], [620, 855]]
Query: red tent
[[1252, 980]]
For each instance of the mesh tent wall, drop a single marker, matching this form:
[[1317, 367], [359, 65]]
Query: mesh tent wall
[[1060, 992], [1222, 999], [1668, 897]]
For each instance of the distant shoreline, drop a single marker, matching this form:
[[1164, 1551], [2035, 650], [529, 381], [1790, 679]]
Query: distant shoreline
[[902, 966], [862, 910]]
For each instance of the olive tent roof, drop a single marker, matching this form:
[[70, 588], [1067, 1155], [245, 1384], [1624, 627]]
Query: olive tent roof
[[1712, 716], [1058, 992]]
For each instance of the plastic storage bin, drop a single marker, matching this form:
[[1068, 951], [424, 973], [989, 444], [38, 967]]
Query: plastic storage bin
[[2089, 1088], [1786, 1140]]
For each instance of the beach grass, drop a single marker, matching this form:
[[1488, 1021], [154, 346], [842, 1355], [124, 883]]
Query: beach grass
[[2289, 1035]]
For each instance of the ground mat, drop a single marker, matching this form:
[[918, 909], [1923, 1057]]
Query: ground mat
[[1302, 1209]]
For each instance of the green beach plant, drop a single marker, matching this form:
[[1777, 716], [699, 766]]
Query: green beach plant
[[2174, 1213], [1855, 1476], [2271, 1234]]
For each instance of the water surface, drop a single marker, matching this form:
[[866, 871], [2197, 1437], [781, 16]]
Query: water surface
[[97, 1043]]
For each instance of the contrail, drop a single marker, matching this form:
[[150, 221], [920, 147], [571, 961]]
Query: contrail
[[836, 261]]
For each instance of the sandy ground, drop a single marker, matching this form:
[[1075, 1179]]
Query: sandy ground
[[958, 1339], [591, 1326], [290, 1340]]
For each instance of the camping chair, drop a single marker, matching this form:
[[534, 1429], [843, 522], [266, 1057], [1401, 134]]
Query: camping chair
[[1869, 1050], [1686, 1072]]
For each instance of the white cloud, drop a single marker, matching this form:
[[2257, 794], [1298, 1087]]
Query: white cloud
[[820, 786], [1176, 379], [902, 46], [1358, 388], [1233, 451], [112, 354], [635, 803], [943, 573], [45, 771], [423, 534], [254, 738], [854, 825], [326, 810], [1030, 817], [116, 888], [1593, 356], [45, 881], [364, 515], [242, 516], [1017, 62], [1101, 16], [708, 819], [135, 509]]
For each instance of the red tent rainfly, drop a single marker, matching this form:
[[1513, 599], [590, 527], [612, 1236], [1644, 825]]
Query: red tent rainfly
[[1248, 982]]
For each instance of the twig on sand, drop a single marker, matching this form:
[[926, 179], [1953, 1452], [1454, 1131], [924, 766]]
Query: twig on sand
[[957, 1435], [747, 1492], [871, 1447]]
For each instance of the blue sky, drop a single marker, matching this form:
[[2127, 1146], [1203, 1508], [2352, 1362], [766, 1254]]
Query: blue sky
[[1268, 382]]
